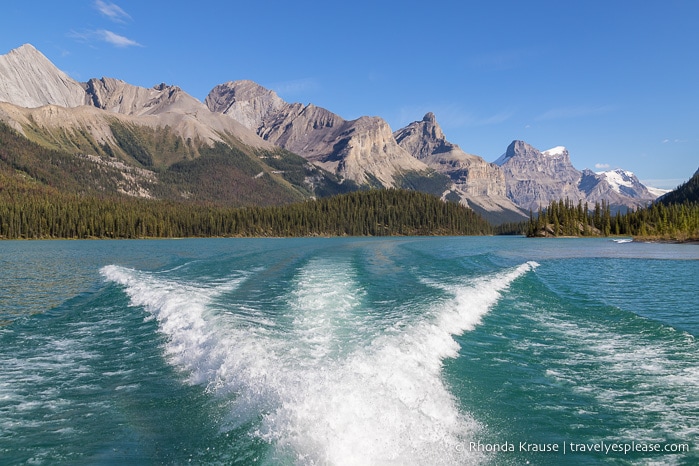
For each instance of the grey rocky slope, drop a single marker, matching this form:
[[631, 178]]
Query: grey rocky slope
[[479, 184], [168, 105], [535, 178], [362, 150]]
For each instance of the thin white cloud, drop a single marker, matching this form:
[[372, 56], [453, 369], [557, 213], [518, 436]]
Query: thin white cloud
[[104, 36], [499, 117], [676, 141], [117, 40], [112, 11], [601, 166], [574, 112]]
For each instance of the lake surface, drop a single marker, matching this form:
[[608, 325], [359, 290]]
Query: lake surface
[[349, 351]]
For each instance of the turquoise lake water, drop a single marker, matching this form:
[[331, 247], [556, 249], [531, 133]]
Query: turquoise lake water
[[349, 351]]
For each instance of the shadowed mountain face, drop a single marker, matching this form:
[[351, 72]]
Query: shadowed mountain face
[[686, 192]]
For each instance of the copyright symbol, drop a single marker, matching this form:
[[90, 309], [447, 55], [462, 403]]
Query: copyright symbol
[[459, 448]]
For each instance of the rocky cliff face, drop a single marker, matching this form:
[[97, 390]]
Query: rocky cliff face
[[118, 96], [365, 150], [362, 150], [536, 178], [28, 79], [614, 186], [425, 140]]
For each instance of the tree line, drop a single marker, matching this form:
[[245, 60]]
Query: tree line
[[45, 213], [667, 221]]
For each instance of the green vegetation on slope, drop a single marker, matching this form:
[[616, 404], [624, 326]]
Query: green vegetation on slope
[[160, 164], [51, 167]]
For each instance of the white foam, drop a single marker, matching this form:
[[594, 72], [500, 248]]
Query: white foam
[[327, 395], [324, 297]]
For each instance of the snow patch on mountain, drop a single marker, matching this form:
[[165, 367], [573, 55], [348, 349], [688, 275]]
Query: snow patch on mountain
[[554, 151], [618, 178]]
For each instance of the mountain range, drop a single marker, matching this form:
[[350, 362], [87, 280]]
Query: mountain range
[[245, 145]]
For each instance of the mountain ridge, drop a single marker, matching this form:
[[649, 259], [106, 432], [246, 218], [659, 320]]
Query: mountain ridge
[[361, 150], [123, 129], [365, 150]]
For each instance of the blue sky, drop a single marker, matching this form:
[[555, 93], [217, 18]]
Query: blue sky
[[616, 82]]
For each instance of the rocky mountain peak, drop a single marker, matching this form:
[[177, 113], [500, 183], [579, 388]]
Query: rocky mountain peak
[[26, 51], [245, 101], [519, 149], [536, 178], [623, 182], [423, 138], [361, 150], [30, 80]]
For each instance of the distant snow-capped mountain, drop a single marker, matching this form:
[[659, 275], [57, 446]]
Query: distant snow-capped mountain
[[535, 178], [625, 182]]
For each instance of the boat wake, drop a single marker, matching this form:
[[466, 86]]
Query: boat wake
[[316, 379]]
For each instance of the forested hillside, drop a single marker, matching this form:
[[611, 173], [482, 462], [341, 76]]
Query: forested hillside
[[686, 192]]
